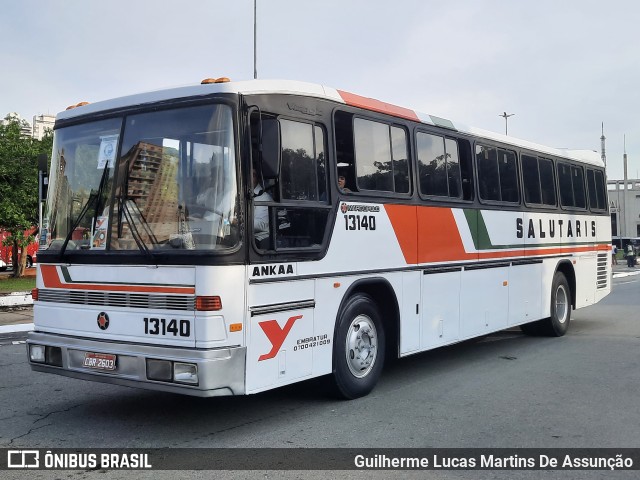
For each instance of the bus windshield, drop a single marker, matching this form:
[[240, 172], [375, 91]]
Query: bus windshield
[[168, 184]]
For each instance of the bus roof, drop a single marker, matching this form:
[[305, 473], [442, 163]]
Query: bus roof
[[290, 87]]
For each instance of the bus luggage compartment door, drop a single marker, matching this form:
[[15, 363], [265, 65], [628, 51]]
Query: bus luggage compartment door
[[280, 334]]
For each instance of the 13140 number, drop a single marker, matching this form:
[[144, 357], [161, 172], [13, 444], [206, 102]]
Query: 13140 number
[[359, 222], [160, 326]]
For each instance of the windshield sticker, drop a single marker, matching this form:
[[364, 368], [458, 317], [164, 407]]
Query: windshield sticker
[[107, 153], [99, 240]]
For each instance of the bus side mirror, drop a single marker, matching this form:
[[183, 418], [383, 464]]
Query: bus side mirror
[[270, 151], [43, 176]]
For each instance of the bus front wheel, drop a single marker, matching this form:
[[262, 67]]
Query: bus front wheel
[[558, 323], [358, 348]]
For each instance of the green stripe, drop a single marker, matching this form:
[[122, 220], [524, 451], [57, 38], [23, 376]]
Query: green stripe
[[478, 228], [482, 241]]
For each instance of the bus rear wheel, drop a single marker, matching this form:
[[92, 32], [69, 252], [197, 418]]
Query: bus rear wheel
[[358, 348], [558, 323]]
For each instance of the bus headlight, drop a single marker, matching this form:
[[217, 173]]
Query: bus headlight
[[185, 372]]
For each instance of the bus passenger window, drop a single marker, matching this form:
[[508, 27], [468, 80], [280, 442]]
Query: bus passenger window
[[597, 195], [381, 155], [547, 182], [531, 179], [497, 174], [488, 177], [508, 176]]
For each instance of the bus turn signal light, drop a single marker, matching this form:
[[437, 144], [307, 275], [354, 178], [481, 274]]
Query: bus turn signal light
[[235, 327], [34, 294], [208, 304]]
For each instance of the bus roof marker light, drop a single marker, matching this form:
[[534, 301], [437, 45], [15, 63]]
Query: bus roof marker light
[[207, 81], [80, 104], [208, 303]]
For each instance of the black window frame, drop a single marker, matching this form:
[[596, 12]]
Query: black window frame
[[538, 159], [443, 198], [572, 166], [605, 200], [497, 147], [389, 123], [292, 252]]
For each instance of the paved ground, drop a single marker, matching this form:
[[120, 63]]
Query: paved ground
[[20, 318]]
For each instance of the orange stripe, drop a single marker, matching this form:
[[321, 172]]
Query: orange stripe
[[377, 106], [51, 279], [440, 240], [439, 237], [403, 221]]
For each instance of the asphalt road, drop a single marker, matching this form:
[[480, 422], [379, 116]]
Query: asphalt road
[[507, 390]]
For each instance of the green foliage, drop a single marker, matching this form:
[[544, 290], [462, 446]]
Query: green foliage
[[24, 284], [19, 182]]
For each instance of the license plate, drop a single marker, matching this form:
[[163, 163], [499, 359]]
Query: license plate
[[100, 361]]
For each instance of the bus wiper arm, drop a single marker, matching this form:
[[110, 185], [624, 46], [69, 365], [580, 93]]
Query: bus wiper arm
[[83, 212], [135, 233], [92, 198]]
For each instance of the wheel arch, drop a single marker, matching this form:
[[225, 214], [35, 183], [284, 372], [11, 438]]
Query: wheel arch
[[566, 268], [378, 288]]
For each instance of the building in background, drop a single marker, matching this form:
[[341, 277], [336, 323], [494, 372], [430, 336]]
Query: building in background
[[25, 127], [42, 123], [624, 205]]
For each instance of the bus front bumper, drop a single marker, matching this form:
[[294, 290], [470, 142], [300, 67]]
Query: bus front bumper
[[219, 371]]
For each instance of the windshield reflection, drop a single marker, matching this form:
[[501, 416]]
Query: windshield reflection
[[175, 188]]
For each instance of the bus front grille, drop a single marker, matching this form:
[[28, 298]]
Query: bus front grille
[[118, 299]]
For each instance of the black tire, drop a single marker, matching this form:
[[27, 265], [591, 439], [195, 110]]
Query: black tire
[[358, 347], [558, 323]]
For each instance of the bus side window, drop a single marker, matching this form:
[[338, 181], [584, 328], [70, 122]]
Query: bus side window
[[301, 221]]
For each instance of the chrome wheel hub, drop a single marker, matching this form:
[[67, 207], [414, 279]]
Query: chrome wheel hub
[[361, 346], [562, 307]]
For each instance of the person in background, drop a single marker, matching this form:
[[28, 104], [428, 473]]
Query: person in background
[[631, 258], [614, 252]]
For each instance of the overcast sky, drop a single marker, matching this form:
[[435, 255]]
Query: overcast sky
[[561, 66]]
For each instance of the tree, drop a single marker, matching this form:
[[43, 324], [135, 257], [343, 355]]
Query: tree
[[19, 186]]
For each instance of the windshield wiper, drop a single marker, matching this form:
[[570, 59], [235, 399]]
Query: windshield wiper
[[134, 230], [92, 198], [135, 233]]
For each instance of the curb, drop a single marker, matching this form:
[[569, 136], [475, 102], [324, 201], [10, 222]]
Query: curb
[[16, 328], [16, 299]]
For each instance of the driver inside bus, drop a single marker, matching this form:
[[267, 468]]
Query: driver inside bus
[[215, 203]]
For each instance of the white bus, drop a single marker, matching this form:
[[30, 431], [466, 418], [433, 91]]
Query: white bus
[[233, 237]]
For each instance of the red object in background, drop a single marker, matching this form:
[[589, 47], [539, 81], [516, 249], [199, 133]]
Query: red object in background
[[5, 251]]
